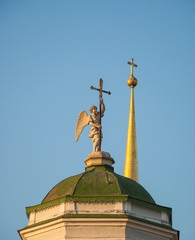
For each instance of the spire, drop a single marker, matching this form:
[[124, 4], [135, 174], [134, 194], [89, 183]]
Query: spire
[[131, 163]]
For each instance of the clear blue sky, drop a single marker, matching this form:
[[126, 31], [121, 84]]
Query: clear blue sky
[[51, 52]]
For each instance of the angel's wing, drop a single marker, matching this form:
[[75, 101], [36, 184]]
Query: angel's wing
[[82, 121]]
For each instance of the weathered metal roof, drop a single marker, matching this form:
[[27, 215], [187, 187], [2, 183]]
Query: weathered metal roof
[[98, 181]]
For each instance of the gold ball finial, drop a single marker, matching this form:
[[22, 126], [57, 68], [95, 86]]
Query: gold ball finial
[[132, 82]]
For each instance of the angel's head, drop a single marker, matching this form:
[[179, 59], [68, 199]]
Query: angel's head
[[93, 109]]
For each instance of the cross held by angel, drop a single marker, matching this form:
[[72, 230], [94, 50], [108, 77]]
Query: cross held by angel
[[94, 120]]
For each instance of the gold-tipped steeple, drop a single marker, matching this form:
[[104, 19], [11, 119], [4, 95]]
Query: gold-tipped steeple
[[131, 163]]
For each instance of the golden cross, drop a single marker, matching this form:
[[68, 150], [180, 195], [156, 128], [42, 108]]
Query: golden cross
[[132, 64]]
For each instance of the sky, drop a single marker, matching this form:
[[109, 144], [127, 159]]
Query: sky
[[51, 52]]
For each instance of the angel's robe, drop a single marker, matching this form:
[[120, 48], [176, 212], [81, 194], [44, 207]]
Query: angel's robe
[[94, 131]]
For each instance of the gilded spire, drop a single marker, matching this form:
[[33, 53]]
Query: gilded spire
[[131, 163]]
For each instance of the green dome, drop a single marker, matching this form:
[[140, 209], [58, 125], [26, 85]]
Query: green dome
[[98, 181]]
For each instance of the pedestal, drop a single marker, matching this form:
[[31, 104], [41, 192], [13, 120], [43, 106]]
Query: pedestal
[[99, 158]]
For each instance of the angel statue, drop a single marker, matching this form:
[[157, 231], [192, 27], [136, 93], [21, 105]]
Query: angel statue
[[94, 120]]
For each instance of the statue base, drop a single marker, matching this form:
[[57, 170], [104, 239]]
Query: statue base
[[99, 158]]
